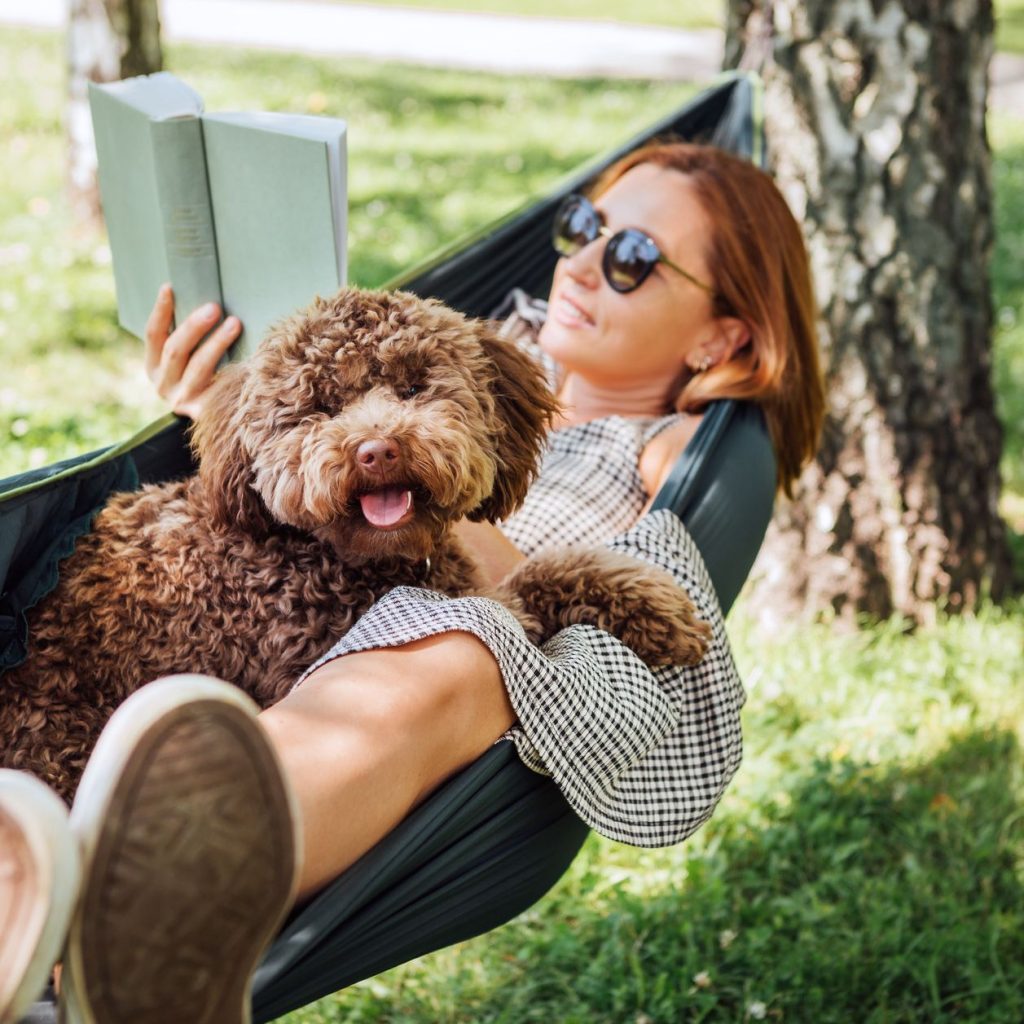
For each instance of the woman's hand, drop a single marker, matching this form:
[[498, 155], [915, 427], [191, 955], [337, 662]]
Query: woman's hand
[[181, 368]]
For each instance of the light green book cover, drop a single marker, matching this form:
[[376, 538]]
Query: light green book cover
[[248, 210], [134, 122], [275, 256]]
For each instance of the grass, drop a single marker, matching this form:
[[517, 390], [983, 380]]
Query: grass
[[867, 864], [1010, 25], [1007, 135]]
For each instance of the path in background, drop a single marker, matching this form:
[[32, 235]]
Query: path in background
[[485, 42], [502, 43]]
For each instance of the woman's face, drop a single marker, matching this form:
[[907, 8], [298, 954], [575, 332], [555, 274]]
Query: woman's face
[[649, 334]]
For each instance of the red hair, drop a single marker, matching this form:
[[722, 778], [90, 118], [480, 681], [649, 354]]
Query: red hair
[[759, 268]]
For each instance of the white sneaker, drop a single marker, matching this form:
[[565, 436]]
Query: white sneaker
[[190, 846], [38, 887]]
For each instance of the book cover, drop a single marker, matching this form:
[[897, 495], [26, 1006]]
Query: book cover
[[275, 256], [245, 209]]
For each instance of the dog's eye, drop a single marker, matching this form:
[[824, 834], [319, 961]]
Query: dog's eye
[[411, 391]]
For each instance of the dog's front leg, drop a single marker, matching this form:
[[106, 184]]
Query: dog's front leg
[[636, 602]]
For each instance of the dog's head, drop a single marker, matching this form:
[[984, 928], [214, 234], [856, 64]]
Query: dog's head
[[373, 420]]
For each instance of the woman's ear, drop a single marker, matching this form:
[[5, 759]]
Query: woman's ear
[[525, 406], [727, 336], [224, 463]]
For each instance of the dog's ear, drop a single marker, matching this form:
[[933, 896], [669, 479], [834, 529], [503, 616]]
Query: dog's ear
[[224, 465], [525, 406]]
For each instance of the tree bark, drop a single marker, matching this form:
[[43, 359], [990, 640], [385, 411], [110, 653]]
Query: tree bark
[[875, 121], [107, 40]]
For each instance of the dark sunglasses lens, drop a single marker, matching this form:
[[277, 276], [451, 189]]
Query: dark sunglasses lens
[[628, 258], [576, 225]]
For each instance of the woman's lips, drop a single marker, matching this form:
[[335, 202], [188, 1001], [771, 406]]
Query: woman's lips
[[566, 312]]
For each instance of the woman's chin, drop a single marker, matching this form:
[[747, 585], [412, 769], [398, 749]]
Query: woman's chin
[[563, 344]]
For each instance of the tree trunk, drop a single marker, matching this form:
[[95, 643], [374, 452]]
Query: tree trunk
[[107, 40], [875, 120]]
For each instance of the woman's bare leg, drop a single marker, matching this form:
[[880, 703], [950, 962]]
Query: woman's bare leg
[[369, 735]]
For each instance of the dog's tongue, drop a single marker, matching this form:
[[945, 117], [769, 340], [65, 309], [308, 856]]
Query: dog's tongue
[[386, 506]]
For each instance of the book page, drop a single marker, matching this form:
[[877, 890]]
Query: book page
[[159, 96]]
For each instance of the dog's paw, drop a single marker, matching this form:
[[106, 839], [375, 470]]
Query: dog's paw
[[639, 604], [659, 622]]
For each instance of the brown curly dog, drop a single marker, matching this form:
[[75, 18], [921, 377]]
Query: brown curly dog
[[331, 466]]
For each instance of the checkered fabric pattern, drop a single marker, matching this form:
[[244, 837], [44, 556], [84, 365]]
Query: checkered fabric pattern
[[642, 757]]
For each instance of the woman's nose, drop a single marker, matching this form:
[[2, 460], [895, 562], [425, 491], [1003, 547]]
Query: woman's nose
[[584, 266]]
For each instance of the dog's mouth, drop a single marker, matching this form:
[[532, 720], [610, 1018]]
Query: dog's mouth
[[388, 508]]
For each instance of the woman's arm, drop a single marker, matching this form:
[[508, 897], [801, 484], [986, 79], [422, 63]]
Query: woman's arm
[[495, 555], [181, 363]]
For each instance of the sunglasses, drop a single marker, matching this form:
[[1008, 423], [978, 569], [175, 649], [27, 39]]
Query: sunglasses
[[630, 255]]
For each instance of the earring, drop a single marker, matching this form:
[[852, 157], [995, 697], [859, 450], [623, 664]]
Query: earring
[[704, 365]]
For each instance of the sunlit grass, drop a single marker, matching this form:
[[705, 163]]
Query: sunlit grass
[[1010, 25]]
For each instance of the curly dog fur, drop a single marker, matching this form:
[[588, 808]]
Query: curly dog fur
[[331, 467]]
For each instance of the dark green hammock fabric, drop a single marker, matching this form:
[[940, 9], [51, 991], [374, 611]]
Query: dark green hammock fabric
[[495, 838]]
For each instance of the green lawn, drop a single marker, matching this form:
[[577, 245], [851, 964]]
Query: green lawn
[[867, 864], [1007, 137], [1010, 25]]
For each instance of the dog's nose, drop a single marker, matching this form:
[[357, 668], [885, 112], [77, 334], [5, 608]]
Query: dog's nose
[[379, 454]]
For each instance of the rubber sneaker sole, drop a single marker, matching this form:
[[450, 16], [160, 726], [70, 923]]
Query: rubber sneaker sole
[[189, 848], [38, 887]]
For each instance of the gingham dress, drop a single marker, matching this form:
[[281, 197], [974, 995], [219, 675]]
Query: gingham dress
[[642, 756]]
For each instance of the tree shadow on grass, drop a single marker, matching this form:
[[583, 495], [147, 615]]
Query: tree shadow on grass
[[870, 894]]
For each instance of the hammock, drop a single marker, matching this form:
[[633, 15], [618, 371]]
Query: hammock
[[496, 837]]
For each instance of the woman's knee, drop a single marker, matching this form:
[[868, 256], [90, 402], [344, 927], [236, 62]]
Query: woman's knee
[[462, 679], [413, 714], [442, 683]]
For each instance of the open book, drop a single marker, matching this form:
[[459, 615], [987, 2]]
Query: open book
[[247, 210]]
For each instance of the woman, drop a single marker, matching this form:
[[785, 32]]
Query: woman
[[684, 280]]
